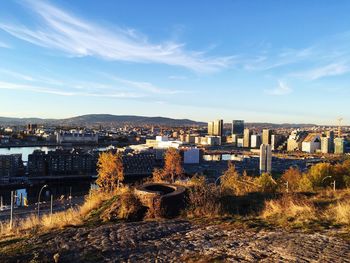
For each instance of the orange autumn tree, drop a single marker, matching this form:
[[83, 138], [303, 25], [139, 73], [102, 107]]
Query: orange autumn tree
[[110, 171], [172, 167]]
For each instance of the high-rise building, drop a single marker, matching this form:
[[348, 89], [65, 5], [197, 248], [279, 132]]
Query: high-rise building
[[339, 146], [246, 138], [265, 158], [216, 128], [211, 128], [237, 127], [325, 145], [255, 141], [266, 136]]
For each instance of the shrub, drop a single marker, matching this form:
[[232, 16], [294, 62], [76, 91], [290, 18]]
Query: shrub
[[234, 183], [203, 199], [266, 183], [318, 172], [292, 176], [124, 206], [305, 184]]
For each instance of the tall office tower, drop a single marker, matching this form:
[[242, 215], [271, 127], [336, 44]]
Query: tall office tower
[[237, 127], [325, 145], [246, 138], [330, 135], [211, 128], [218, 128], [255, 141], [266, 136], [265, 158], [339, 146]]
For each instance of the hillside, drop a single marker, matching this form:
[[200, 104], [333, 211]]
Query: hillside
[[121, 120], [102, 119]]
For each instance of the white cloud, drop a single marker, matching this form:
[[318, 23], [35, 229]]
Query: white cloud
[[331, 56], [74, 36], [109, 85], [45, 90], [144, 86], [280, 90], [332, 69]]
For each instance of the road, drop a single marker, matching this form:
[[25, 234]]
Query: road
[[58, 205]]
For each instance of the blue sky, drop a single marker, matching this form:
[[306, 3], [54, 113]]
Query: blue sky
[[267, 61]]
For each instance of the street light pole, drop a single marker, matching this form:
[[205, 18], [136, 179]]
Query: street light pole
[[51, 208], [11, 212], [39, 200]]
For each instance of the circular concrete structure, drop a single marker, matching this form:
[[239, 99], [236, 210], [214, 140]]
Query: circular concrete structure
[[166, 199]]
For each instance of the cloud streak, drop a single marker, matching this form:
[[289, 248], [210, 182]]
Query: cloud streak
[[45, 90], [76, 37], [328, 57], [109, 86], [333, 69], [144, 86]]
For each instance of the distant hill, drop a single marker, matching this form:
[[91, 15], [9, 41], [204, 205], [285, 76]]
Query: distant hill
[[102, 119], [121, 120]]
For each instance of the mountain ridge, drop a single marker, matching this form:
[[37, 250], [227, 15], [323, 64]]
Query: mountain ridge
[[102, 119]]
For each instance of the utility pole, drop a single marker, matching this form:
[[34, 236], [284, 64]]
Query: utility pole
[[11, 213], [51, 208]]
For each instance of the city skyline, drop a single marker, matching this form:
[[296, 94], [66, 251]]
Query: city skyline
[[181, 60]]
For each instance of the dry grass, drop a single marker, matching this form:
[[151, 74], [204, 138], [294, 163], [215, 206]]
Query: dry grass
[[289, 210], [339, 212]]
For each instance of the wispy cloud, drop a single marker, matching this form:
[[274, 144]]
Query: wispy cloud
[[110, 85], [76, 37], [45, 90], [16, 75], [333, 69], [177, 77], [280, 90], [143, 86], [328, 57], [4, 45]]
